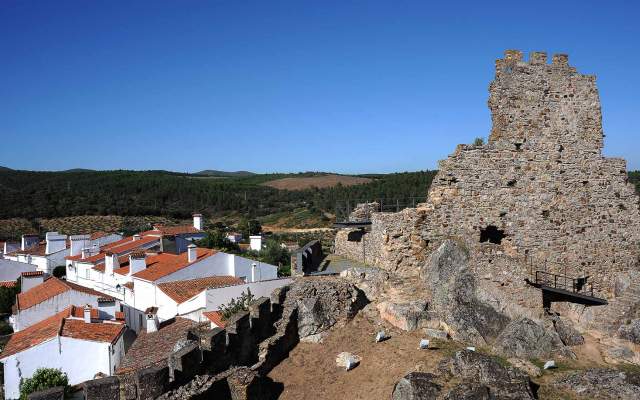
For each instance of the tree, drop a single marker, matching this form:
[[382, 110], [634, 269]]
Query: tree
[[8, 297], [249, 227], [479, 141], [43, 378], [5, 329], [275, 254], [216, 239], [60, 271]]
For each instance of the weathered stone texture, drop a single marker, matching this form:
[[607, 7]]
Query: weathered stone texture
[[541, 179]]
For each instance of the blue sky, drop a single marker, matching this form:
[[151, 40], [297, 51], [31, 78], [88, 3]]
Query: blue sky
[[345, 86]]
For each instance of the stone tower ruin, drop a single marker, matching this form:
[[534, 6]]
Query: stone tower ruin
[[539, 190]]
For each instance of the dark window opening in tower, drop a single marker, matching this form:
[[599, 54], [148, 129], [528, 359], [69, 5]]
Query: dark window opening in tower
[[491, 234]]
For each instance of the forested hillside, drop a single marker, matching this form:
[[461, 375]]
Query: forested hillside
[[31, 194], [634, 177]]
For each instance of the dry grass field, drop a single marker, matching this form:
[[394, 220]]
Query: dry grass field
[[320, 181]]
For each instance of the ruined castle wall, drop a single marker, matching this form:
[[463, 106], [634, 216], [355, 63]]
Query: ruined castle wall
[[541, 179]]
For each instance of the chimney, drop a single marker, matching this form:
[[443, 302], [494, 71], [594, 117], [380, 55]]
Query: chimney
[[55, 242], [78, 242], [137, 262], [28, 241], [254, 272], [255, 242], [110, 263], [152, 319], [192, 253], [87, 314], [197, 221], [136, 237], [30, 279]]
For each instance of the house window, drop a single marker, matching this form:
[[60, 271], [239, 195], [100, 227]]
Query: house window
[[87, 273], [244, 278]]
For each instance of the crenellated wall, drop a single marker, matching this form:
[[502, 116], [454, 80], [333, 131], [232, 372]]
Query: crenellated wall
[[212, 352]]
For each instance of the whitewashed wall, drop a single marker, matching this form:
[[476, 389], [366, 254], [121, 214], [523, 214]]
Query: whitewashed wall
[[219, 296], [80, 359]]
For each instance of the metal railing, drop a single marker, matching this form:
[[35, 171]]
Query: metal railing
[[344, 208], [570, 284]]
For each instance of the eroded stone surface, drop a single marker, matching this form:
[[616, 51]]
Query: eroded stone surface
[[602, 384]]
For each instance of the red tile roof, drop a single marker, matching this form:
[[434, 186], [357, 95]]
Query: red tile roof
[[181, 291], [32, 273], [175, 230], [62, 324], [98, 235], [8, 283], [152, 348], [48, 289], [39, 250], [96, 331], [78, 312], [165, 264], [121, 247], [215, 317]]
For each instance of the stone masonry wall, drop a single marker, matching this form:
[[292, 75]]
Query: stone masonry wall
[[541, 179]]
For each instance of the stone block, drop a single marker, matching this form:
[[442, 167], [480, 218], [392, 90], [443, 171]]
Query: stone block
[[102, 389]]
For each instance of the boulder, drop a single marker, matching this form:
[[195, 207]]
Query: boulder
[[630, 331], [525, 366], [370, 280], [416, 386], [602, 384], [524, 338], [436, 333], [453, 294], [481, 370], [347, 360], [469, 391], [323, 303], [568, 334], [406, 316]]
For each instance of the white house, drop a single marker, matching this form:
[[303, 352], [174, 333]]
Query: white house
[[234, 237], [94, 267], [44, 255], [74, 340], [199, 269], [11, 270], [255, 242], [40, 300]]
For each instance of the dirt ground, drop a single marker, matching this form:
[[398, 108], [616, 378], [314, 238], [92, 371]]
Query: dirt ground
[[310, 372]]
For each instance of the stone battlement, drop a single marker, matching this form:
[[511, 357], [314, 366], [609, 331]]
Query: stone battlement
[[539, 188]]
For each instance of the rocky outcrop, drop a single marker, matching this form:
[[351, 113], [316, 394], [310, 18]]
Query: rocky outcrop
[[453, 296], [525, 339], [370, 280], [600, 384], [321, 304], [406, 316], [630, 331], [567, 333], [484, 377], [416, 386]]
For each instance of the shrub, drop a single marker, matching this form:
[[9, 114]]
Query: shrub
[[60, 271], [479, 141], [8, 298], [43, 378], [5, 328], [237, 305]]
